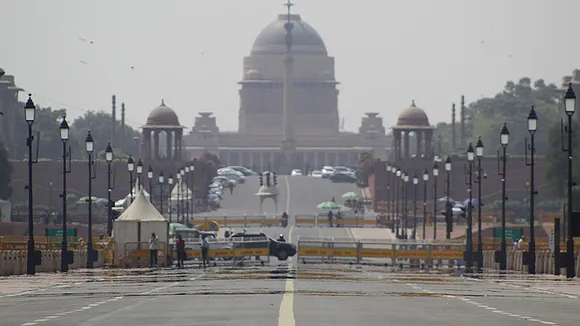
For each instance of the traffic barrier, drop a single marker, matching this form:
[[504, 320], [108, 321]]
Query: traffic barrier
[[515, 263], [234, 250], [397, 252], [347, 220], [14, 262], [137, 254], [239, 220]]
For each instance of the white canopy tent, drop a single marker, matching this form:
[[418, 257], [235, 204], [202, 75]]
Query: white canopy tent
[[181, 192], [127, 200], [137, 223]]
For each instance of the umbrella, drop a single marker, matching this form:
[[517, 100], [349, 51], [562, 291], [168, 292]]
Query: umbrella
[[350, 195], [329, 205]]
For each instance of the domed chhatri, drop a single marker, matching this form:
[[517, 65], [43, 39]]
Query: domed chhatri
[[162, 116], [413, 116], [272, 39]]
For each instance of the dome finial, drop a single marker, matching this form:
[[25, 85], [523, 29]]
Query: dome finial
[[412, 102], [162, 102]]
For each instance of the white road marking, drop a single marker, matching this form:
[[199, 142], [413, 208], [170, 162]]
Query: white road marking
[[286, 314], [492, 309], [28, 324]]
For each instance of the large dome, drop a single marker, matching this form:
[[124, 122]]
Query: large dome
[[413, 116], [162, 116], [305, 39]]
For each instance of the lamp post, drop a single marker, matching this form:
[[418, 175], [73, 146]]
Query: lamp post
[[504, 137], [448, 210], [191, 170], [160, 181], [406, 205], [64, 135], [179, 195], [139, 173], [532, 127], [186, 205], [570, 107], [415, 182], [425, 180], [170, 202], [30, 115], [150, 177], [393, 196], [131, 167], [435, 175], [479, 154], [397, 195], [109, 159], [469, 238], [388, 175], [182, 181], [89, 147]]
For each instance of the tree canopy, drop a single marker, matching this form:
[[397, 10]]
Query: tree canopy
[[47, 122]]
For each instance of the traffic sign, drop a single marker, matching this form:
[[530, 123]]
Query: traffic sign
[[510, 233], [58, 232]]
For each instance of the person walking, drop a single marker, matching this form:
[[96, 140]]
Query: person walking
[[153, 250], [330, 216], [180, 247], [204, 250]]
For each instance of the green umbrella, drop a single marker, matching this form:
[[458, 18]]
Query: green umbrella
[[329, 205], [350, 195]]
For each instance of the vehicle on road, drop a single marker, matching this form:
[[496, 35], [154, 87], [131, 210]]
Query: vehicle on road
[[280, 250], [296, 172], [342, 177], [316, 174], [244, 170], [327, 171]]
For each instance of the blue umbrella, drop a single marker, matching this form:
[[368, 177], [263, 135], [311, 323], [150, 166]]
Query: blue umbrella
[[473, 202]]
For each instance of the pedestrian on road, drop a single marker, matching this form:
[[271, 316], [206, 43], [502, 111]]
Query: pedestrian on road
[[153, 250], [231, 187], [180, 246], [330, 216], [204, 250]]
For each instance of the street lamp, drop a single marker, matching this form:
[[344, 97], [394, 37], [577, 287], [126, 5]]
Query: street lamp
[[448, 209], [131, 167], [160, 181], [405, 203], [191, 170], [469, 238], [186, 206], [139, 172], [479, 154], [532, 127], [170, 202], [504, 138], [397, 196], [393, 196], [29, 115], [425, 180], [150, 177], [182, 181], [388, 175], [65, 254], [415, 182], [435, 175], [89, 147], [570, 107], [109, 159]]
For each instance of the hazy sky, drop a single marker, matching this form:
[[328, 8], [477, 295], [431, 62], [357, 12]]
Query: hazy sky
[[190, 52]]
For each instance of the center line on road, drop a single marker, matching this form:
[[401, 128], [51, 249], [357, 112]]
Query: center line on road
[[286, 314]]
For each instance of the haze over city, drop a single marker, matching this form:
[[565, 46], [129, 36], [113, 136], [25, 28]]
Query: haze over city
[[77, 54]]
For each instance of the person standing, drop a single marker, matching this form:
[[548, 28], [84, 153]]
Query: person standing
[[153, 250], [204, 250], [180, 247]]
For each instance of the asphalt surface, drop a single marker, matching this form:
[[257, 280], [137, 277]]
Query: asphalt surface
[[282, 293]]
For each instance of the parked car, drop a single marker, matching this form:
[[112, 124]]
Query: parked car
[[342, 177], [296, 172]]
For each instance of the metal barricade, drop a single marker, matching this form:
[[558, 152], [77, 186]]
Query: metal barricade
[[230, 251], [137, 254], [413, 253], [305, 220], [245, 220]]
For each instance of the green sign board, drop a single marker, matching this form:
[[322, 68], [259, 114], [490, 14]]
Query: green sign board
[[510, 233], [58, 232]]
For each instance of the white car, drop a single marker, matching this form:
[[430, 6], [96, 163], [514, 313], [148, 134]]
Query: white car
[[296, 172], [316, 174], [327, 171]]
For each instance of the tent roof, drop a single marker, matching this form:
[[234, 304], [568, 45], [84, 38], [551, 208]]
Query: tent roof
[[183, 191], [141, 210]]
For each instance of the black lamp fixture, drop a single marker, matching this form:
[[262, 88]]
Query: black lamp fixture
[[131, 168], [30, 115], [435, 175], [469, 253], [170, 183], [89, 147], [150, 177], [479, 154], [570, 107], [504, 139], [448, 208], [109, 159], [65, 253], [415, 183]]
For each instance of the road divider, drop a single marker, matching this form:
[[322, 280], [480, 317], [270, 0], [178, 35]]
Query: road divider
[[346, 220], [397, 252], [245, 220]]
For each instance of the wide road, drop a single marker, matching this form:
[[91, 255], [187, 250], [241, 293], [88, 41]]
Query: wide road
[[284, 293], [326, 295]]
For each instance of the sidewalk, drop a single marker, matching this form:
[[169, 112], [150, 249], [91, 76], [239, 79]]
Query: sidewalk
[[372, 234], [23, 283]]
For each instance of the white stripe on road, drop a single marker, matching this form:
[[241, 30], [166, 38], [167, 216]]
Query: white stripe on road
[[286, 315]]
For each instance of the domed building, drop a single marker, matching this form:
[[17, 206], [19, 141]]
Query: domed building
[[162, 122], [316, 134], [412, 120]]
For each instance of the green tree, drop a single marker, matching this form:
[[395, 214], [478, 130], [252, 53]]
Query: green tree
[[47, 122], [485, 117], [557, 172], [5, 174]]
